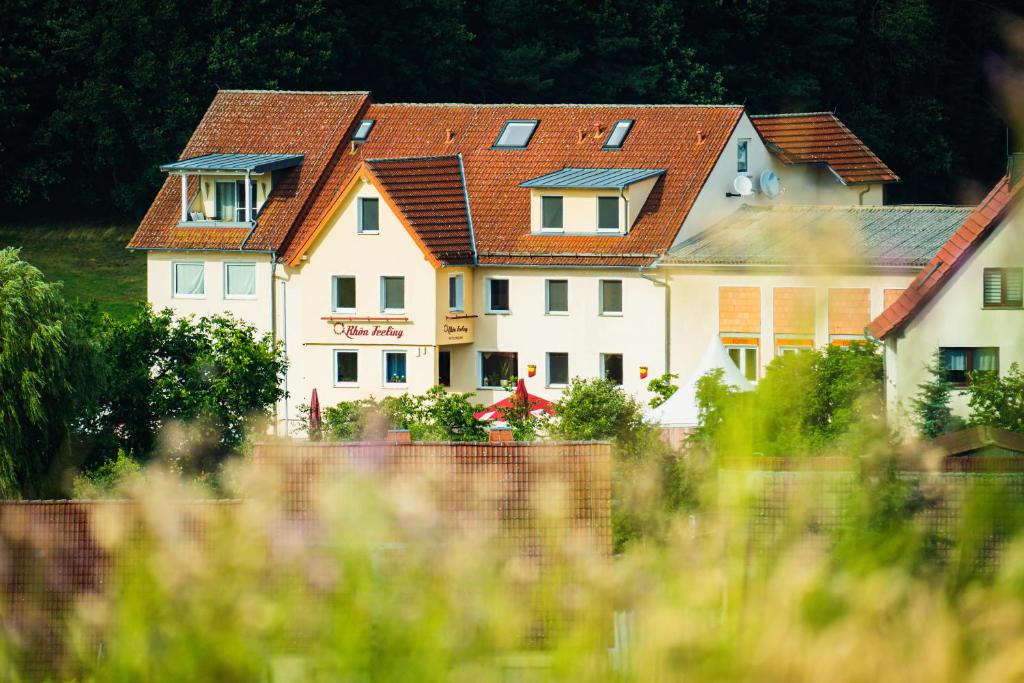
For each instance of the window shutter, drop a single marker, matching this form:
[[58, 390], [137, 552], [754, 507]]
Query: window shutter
[[993, 287], [1014, 286]]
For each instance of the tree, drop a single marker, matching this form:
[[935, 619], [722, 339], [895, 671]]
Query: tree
[[933, 416], [997, 401], [598, 410], [662, 388], [48, 372]]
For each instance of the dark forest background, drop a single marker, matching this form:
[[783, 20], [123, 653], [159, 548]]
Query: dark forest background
[[94, 94]]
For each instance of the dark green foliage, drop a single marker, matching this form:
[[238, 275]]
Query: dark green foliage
[[94, 95], [997, 401], [933, 416], [806, 403], [598, 410]]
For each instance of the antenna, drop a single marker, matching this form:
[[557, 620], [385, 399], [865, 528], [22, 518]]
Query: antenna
[[769, 183]]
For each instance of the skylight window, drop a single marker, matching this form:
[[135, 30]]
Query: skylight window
[[618, 135], [363, 130], [516, 134]]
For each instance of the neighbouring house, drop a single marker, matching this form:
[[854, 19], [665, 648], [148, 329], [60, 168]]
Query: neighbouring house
[[393, 247], [967, 302]]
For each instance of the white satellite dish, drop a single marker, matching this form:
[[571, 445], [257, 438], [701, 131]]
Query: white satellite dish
[[743, 185], [770, 184]]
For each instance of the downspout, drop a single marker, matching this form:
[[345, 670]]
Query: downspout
[[860, 196], [668, 314], [273, 324], [248, 212], [284, 338], [625, 217]]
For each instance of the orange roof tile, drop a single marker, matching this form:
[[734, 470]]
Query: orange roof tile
[[266, 122], [822, 138], [985, 217]]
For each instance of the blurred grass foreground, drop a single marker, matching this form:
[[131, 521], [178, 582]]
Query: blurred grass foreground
[[492, 562]]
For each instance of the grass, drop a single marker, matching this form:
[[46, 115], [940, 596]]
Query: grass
[[90, 259]]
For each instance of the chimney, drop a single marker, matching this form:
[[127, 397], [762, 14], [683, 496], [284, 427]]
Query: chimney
[[1016, 168], [449, 135], [598, 129], [499, 435], [399, 436], [583, 135], [701, 138]]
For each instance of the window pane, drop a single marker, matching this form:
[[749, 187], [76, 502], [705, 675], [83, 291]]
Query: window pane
[[241, 279], [618, 134], [346, 366], [394, 367], [750, 369], [613, 367], [345, 293], [986, 360], [444, 368], [188, 279], [611, 296], [608, 213], [955, 359], [455, 293], [369, 214], [741, 156], [734, 354], [558, 296], [394, 293], [497, 367], [363, 130], [225, 201], [499, 295], [516, 134], [558, 368], [551, 212], [993, 287], [1014, 286]]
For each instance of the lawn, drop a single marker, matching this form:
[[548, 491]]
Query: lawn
[[90, 259]]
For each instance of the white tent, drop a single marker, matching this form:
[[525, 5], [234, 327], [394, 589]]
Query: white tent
[[680, 410]]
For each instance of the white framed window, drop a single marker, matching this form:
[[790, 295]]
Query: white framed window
[[343, 294], [558, 369], [745, 360], [395, 370], [456, 294], [556, 297], [392, 294], [497, 367], [363, 130], [369, 215], [551, 213], [611, 367], [618, 134], [610, 295], [346, 367], [608, 213], [516, 134], [497, 295], [239, 280], [189, 280], [742, 150]]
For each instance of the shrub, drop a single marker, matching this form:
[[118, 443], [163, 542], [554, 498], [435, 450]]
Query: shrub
[[597, 410], [932, 413], [997, 401], [105, 480], [663, 388]]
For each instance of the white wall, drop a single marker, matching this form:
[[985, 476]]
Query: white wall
[[956, 318]]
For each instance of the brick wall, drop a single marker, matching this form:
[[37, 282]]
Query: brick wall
[[739, 310]]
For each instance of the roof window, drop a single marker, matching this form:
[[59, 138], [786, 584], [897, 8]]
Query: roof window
[[363, 130], [516, 134], [618, 134]]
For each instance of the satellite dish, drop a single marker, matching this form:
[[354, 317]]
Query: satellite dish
[[743, 185], [770, 184]]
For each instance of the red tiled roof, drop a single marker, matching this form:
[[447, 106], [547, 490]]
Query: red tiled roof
[[662, 137], [261, 122], [985, 217], [822, 138], [429, 194]]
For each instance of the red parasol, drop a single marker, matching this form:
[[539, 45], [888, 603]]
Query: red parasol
[[496, 412], [314, 417]]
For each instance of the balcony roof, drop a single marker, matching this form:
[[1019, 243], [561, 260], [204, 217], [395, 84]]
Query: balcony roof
[[594, 178], [234, 163]]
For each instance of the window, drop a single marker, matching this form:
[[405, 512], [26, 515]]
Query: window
[[363, 130], [346, 368], [497, 296], [516, 134], [556, 296], [344, 300], [558, 369], [607, 213], [225, 204], [497, 367], [786, 350], [392, 294], [240, 199], [239, 280], [959, 363], [618, 134], [369, 214], [611, 297], [444, 368], [550, 213], [741, 155], [189, 280], [745, 360], [394, 368], [1004, 288], [611, 367], [455, 293]]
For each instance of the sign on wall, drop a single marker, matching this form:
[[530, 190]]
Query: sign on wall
[[456, 330]]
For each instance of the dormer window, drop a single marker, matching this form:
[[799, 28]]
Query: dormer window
[[618, 134], [551, 213], [363, 130], [608, 213], [516, 134], [604, 201]]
